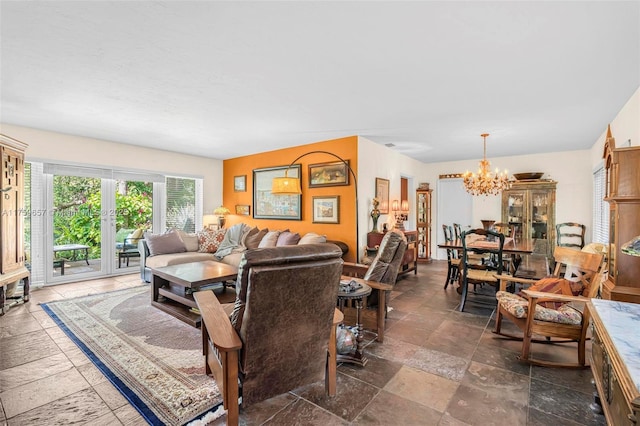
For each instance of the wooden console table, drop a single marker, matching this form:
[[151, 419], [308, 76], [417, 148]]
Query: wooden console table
[[614, 359]]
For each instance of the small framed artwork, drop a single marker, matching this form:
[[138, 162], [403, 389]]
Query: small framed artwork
[[329, 174], [326, 209], [382, 194], [242, 209], [240, 183]]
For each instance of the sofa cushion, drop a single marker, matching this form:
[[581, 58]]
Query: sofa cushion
[[253, 239], [190, 240], [312, 238], [288, 239], [177, 259], [164, 243], [209, 241], [270, 239]]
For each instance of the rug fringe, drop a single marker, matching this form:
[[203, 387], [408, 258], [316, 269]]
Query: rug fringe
[[209, 417]]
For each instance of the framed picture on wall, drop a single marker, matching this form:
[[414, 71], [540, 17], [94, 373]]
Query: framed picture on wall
[[382, 194], [326, 209], [275, 206], [243, 209], [329, 174], [240, 183]]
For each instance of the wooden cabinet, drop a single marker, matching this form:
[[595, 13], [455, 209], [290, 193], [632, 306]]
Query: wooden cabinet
[[12, 268], [423, 224], [614, 359], [530, 206], [623, 194], [410, 260]]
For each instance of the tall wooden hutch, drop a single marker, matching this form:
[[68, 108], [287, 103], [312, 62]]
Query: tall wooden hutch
[[12, 261], [423, 224], [530, 206], [623, 194]]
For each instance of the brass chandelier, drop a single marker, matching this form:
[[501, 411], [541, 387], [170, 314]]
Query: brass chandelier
[[485, 182]]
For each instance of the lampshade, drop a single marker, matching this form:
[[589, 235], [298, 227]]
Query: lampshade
[[221, 211], [395, 205], [286, 185], [405, 206]]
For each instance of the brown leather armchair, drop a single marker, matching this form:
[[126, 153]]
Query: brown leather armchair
[[381, 276], [281, 331]]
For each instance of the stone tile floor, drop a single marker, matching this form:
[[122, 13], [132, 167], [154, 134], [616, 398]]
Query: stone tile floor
[[437, 366]]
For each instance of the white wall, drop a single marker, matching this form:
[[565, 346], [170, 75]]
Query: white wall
[[50, 146], [625, 127], [571, 169]]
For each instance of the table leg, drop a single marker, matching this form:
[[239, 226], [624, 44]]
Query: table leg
[[86, 256]]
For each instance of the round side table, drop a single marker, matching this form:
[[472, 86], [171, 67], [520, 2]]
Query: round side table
[[357, 357]]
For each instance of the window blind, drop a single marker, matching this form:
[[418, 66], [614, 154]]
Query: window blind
[[600, 208]]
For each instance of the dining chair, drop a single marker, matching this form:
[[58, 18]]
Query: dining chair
[[453, 258], [570, 234], [486, 244], [557, 303]]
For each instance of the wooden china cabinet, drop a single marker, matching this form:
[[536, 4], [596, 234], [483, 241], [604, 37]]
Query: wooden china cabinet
[[623, 194], [12, 261], [530, 206], [423, 224]]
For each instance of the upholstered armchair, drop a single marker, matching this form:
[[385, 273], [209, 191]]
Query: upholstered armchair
[[381, 276], [280, 333]]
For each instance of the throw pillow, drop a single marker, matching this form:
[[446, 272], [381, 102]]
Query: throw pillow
[[209, 241], [164, 243], [137, 234], [312, 238], [253, 239], [287, 239], [553, 285], [270, 239], [190, 241]]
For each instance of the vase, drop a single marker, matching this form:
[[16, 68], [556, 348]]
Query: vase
[[375, 215]]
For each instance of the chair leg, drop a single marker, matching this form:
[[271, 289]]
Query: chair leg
[[330, 378], [581, 352], [463, 297], [498, 325], [449, 278]]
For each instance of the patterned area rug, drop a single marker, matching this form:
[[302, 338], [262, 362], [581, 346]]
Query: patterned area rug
[[153, 359]]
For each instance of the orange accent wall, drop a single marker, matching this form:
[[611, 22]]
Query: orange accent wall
[[345, 231]]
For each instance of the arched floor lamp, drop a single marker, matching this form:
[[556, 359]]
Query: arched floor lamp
[[291, 186]]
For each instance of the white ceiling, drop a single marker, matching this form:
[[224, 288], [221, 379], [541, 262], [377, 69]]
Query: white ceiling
[[226, 79]]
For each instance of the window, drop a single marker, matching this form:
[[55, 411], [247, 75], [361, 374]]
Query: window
[[184, 199], [600, 208]]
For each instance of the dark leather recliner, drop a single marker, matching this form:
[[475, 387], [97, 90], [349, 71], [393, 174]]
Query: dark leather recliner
[[279, 333]]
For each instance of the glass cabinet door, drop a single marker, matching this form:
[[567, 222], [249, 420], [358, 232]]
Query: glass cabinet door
[[516, 213], [423, 225]]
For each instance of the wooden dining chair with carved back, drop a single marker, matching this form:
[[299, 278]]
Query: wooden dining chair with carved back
[[485, 244], [570, 234], [557, 302], [453, 258]]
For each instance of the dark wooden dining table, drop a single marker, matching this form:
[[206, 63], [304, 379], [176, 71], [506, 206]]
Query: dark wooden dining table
[[512, 246], [516, 248]]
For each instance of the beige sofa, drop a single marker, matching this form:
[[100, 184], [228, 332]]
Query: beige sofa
[[149, 261]]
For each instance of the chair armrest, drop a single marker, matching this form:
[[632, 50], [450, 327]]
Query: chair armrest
[[505, 279], [373, 284], [222, 334], [553, 296], [354, 269]]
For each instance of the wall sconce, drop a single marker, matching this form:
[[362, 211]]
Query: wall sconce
[[401, 212]]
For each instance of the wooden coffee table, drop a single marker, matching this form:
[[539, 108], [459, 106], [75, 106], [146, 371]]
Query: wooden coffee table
[[172, 287]]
